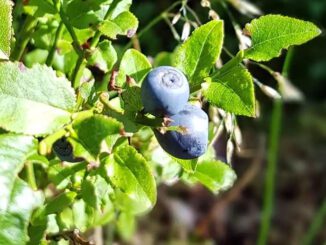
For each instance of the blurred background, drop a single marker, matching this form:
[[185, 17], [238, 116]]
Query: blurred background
[[185, 215]]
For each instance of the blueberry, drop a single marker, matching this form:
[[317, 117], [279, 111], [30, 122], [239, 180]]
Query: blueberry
[[63, 149], [192, 143], [165, 91]]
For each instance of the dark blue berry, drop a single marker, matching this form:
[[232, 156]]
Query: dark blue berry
[[165, 91], [192, 143]]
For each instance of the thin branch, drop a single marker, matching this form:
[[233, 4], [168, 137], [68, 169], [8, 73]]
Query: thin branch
[[153, 23]]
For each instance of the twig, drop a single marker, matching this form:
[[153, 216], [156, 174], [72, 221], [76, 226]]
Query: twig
[[73, 236], [153, 23], [193, 13]]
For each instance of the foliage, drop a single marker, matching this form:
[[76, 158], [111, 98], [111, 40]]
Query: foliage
[[75, 86]]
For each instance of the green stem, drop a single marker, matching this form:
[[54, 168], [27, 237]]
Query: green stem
[[173, 30], [316, 225], [58, 34], [287, 62], [30, 175], [77, 73], [264, 67], [71, 31], [97, 34], [140, 118], [23, 38], [81, 63], [272, 157], [76, 45], [153, 22]]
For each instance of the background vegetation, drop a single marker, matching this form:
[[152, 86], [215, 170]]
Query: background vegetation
[[300, 187], [279, 195]]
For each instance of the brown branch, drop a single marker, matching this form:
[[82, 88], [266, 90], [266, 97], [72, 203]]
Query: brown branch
[[73, 236]]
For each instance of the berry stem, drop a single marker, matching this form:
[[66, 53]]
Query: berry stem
[[154, 22]]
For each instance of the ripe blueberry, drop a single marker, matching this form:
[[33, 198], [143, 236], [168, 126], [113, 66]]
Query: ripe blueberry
[[165, 91], [192, 143], [63, 149]]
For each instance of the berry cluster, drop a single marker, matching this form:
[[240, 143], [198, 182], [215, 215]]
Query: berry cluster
[[165, 92]]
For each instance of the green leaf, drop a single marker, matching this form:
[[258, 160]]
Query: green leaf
[[188, 165], [5, 28], [37, 233], [39, 8], [163, 59], [132, 99], [134, 183], [232, 90], [272, 33], [65, 44], [126, 225], [17, 200], [34, 101], [127, 22], [43, 36], [15, 216], [91, 134], [198, 54], [58, 173], [37, 56], [88, 193], [84, 14], [215, 175], [60, 202], [104, 56], [119, 6], [14, 150], [110, 29], [124, 24], [133, 64], [87, 89]]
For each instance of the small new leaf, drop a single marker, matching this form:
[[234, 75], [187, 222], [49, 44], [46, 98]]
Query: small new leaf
[[124, 24]]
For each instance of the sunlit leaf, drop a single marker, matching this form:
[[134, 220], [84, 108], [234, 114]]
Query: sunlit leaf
[[34, 101], [272, 33], [198, 54]]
